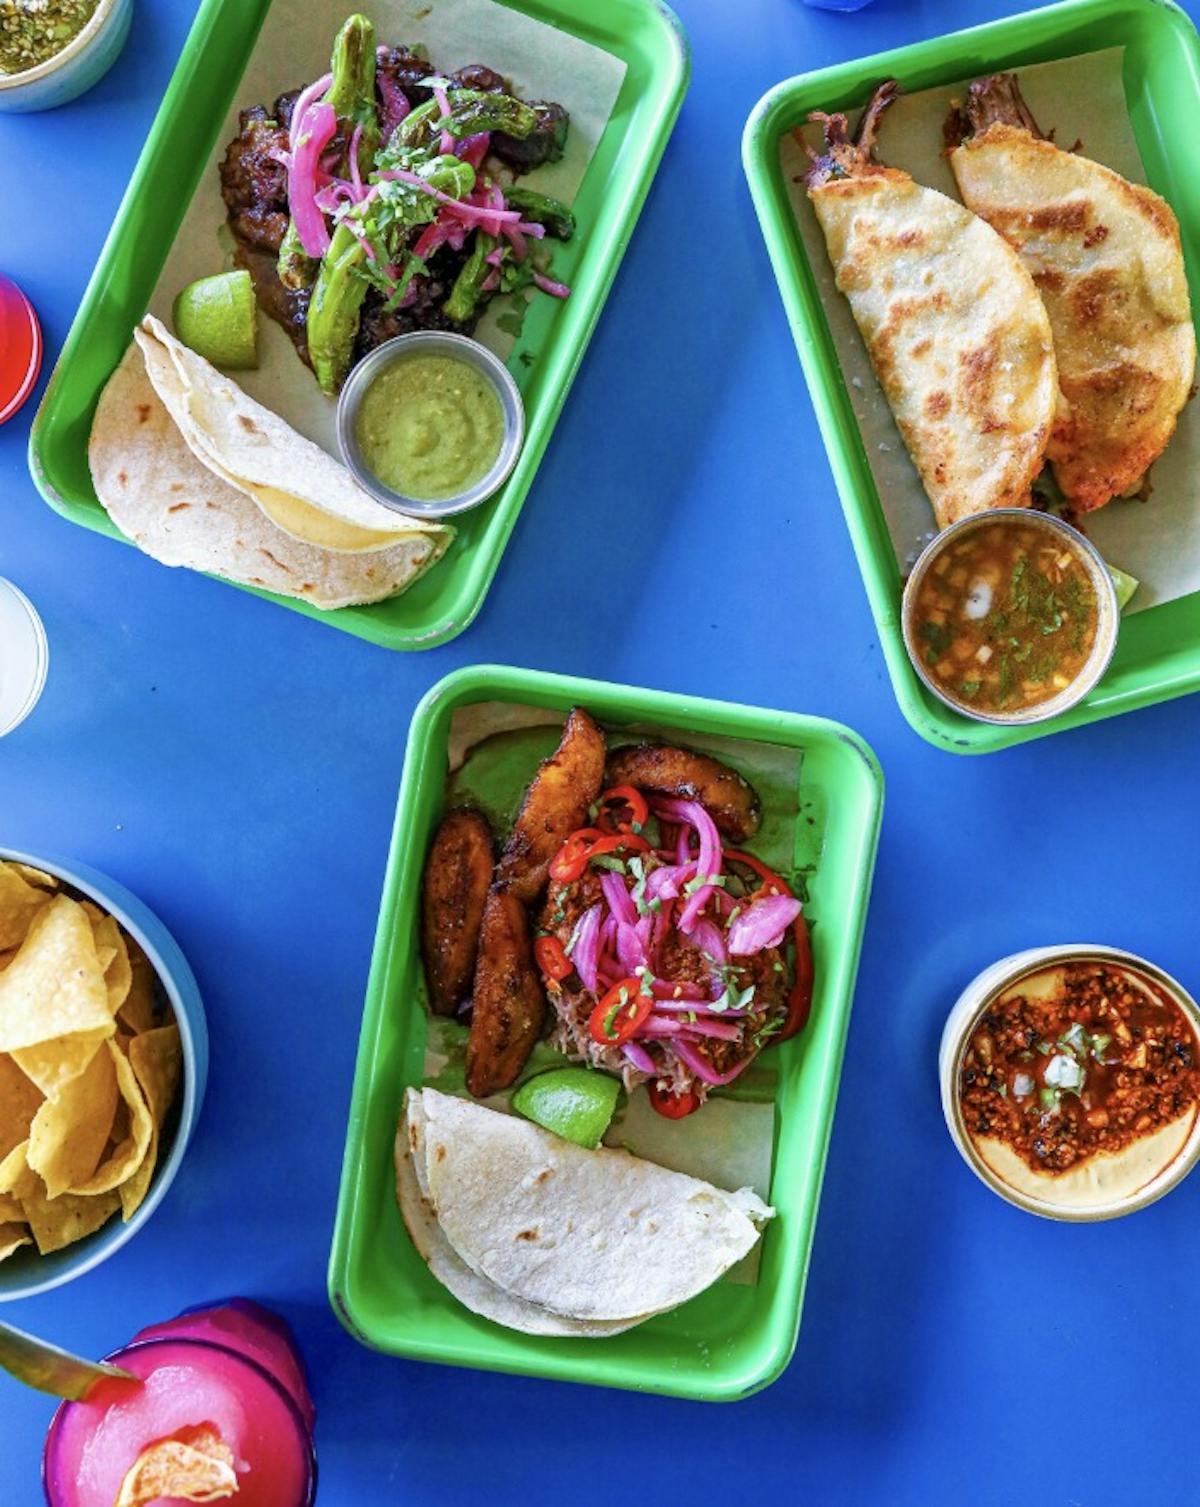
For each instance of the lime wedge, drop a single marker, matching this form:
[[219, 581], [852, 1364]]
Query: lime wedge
[[1125, 583], [573, 1102], [218, 318]]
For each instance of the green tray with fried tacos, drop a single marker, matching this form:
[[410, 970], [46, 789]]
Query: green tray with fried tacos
[[735, 1338], [644, 34], [1158, 655]]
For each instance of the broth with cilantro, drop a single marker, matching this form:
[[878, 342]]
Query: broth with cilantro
[[1006, 617]]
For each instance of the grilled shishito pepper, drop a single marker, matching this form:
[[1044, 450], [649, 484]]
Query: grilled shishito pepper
[[341, 286], [352, 95], [471, 112]]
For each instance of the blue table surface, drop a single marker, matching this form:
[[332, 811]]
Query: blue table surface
[[237, 766]]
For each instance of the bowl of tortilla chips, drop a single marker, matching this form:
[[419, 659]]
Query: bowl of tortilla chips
[[103, 1062]]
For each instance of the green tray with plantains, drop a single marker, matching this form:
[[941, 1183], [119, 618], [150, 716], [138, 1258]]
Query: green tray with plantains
[[1158, 655], [733, 1339], [643, 34]]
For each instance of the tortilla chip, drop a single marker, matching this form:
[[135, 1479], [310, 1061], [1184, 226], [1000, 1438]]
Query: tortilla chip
[[128, 1156], [15, 1177], [54, 986], [138, 1012], [118, 974], [53, 1064], [20, 902], [34, 876], [69, 1133], [13, 1235], [57, 1222], [196, 1465], [20, 1100], [157, 1059]]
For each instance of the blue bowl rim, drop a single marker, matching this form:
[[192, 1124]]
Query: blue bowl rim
[[178, 981]]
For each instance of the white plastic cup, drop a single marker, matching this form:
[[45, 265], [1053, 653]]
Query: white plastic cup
[[24, 656]]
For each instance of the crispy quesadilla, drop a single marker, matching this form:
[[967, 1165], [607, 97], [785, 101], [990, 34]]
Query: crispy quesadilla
[[953, 324], [1105, 255]]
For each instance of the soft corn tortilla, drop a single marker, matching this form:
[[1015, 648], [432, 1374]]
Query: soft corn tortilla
[[956, 333], [472, 1291], [180, 512], [587, 1234], [1106, 258], [300, 488], [1098, 1182]]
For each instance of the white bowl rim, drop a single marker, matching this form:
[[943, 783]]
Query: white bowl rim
[[986, 986], [73, 48]]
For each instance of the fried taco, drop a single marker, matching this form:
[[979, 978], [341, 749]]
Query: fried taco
[[953, 324], [1106, 257]]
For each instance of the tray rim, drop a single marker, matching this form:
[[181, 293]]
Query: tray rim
[[474, 683], [473, 592], [977, 48]]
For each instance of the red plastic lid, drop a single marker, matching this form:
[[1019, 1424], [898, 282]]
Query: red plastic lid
[[20, 348]]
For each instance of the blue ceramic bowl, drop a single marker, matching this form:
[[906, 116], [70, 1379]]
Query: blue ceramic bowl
[[82, 62], [26, 1273]]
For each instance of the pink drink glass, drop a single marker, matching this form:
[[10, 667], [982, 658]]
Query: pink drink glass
[[187, 1381]]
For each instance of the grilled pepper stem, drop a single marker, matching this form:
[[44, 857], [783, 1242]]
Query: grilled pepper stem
[[352, 95]]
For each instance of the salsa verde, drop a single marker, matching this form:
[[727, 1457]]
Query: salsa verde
[[430, 426]]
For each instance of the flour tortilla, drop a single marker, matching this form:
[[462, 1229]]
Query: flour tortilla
[[588, 1234], [177, 510], [956, 333], [1106, 257], [471, 1290], [300, 488]]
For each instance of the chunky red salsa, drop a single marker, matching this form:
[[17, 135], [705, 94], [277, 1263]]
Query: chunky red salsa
[[1105, 1059]]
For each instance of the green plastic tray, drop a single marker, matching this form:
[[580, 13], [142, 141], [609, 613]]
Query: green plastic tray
[[649, 39], [1159, 651], [731, 1340]]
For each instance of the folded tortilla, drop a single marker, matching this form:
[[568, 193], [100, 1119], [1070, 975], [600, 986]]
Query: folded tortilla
[[181, 512], [473, 1291], [1106, 257], [590, 1235], [300, 488]]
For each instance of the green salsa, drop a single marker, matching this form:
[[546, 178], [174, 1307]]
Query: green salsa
[[430, 426], [31, 35]]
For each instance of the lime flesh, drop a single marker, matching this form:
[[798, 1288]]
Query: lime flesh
[[218, 318], [573, 1102]]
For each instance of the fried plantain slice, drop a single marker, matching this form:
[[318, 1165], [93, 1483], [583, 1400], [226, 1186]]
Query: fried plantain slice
[[509, 1005], [727, 798], [555, 805], [458, 872]]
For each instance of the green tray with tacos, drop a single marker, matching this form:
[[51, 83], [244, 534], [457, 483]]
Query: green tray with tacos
[[233, 472], [471, 1273]]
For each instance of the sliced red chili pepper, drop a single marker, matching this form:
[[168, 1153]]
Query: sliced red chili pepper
[[611, 820], [772, 883], [571, 859], [581, 847], [620, 1013], [552, 958], [673, 1106], [799, 1001]]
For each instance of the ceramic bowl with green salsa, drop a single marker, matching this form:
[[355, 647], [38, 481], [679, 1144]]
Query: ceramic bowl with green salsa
[[51, 56]]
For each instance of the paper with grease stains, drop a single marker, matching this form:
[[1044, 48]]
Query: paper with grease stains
[[1083, 98]]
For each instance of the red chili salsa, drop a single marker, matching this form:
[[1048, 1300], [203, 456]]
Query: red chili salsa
[[1105, 1059]]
